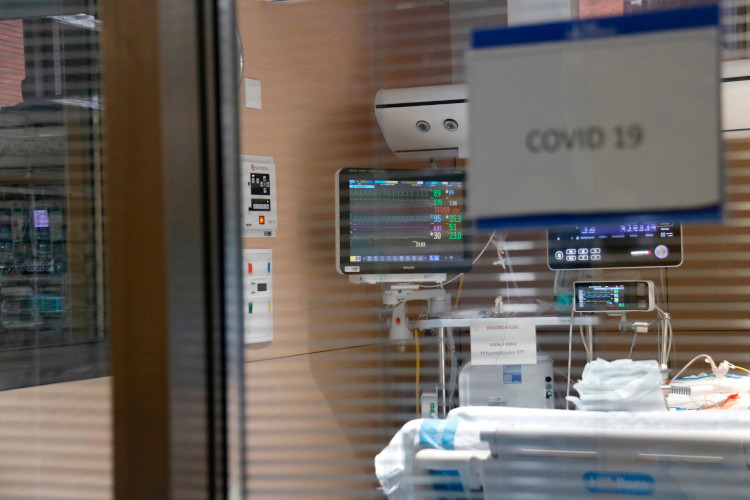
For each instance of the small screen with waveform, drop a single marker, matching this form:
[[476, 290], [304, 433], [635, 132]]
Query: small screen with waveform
[[402, 221], [613, 296]]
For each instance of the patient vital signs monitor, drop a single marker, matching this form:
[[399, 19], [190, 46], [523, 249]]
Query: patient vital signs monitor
[[628, 244], [401, 221]]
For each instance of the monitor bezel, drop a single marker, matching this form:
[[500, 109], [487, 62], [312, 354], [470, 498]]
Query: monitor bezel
[[343, 266]]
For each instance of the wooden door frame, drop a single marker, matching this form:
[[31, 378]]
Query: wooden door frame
[[173, 248]]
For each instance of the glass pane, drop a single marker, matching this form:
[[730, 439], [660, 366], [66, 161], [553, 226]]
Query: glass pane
[[54, 394], [332, 377]]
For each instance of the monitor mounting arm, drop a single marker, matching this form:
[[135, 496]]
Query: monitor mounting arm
[[400, 294]]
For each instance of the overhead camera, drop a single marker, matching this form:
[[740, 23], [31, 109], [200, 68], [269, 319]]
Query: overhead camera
[[423, 126], [410, 120]]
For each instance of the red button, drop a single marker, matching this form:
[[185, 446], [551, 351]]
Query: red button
[[262, 219], [249, 268]]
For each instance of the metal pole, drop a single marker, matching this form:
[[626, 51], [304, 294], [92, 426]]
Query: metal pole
[[442, 404]]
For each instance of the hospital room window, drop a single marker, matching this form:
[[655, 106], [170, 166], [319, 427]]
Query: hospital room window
[[588, 358], [54, 359]]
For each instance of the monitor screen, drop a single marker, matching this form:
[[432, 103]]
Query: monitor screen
[[613, 296], [596, 246], [401, 221], [41, 218]]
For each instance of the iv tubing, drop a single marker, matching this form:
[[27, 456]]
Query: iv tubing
[[416, 382], [690, 363]]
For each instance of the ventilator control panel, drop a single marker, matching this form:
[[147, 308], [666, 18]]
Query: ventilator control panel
[[624, 245]]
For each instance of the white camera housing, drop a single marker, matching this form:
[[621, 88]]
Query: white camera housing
[[425, 122], [735, 96]]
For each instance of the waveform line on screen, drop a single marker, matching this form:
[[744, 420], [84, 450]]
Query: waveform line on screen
[[406, 197], [360, 230], [391, 218], [381, 237], [380, 227]]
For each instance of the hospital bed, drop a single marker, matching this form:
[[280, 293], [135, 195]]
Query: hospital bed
[[509, 453]]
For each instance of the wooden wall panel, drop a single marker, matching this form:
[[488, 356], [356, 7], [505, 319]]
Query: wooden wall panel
[[319, 396], [315, 425], [314, 63]]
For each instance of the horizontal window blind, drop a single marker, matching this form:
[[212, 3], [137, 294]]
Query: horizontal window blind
[[330, 390], [54, 397]]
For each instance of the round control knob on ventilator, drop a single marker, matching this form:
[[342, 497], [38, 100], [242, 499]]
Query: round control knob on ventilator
[[661, 252]]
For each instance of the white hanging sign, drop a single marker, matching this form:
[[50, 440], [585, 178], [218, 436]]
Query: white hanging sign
[[596, 120], [503, 341]]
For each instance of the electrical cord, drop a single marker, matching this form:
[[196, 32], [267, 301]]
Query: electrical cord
[[706, 356], [452, 390], [665, 334], [632, 345], [570, 358], [458, 292], [504, 260], [441, 285], [461, 275], [664, 284], [589, 354], [561, 373], [484, 249], [507, 258], [418, 369], [556, 283], [453, 379]]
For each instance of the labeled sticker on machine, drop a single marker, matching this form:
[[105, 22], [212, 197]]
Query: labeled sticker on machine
[[619, 483], [512, 374], [503, 341]]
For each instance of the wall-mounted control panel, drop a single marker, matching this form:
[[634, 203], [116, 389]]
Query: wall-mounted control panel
[[258, 295], [258, 196]]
